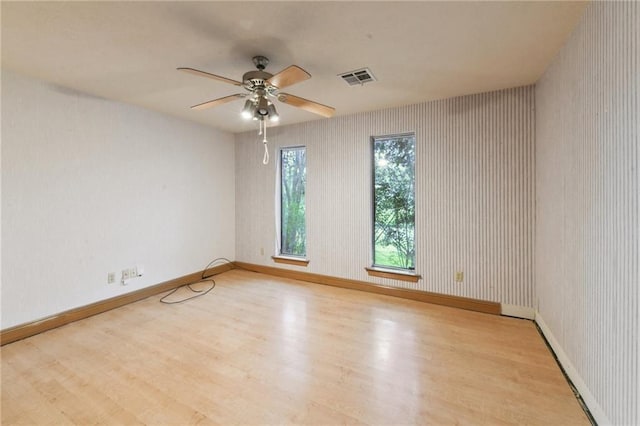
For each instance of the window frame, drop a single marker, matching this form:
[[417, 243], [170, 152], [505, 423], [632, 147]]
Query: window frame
[[282, 257], [380, 270]]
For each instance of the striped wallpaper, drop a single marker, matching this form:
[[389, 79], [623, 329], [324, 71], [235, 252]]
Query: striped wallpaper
[[588, 206], [474, 194]]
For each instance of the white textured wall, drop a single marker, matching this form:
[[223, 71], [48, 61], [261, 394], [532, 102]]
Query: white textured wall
[[474, 193], [588, 197], [91, 186]]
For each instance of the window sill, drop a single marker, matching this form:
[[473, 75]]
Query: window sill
[[290, 260], [393, 274]]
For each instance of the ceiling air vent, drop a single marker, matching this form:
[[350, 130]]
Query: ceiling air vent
[[361, 76]]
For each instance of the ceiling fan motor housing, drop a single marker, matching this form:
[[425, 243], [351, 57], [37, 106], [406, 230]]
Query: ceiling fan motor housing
[[255, 80]]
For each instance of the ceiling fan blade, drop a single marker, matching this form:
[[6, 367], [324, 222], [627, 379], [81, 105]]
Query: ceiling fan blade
[[289, 76], [218, 101], [307, 105], [209, 75]]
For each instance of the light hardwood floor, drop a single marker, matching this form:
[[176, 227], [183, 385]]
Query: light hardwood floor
[[265, 350]]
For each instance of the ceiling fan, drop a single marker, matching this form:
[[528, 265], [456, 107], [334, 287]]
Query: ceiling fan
[[262, 87]]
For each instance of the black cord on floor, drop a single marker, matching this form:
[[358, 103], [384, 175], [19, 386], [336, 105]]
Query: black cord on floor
[[203, 279]]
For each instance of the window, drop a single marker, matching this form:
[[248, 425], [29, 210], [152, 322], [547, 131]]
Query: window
[[293, 179], [394, 201]]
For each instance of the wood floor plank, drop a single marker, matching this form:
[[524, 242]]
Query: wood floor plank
[[265, 350]]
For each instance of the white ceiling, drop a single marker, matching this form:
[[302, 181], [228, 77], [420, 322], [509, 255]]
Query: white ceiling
[[418, 51]]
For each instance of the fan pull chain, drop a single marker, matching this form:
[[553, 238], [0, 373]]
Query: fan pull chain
[[265, 159]]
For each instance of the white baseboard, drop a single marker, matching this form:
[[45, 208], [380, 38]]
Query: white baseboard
[[518, 311], [595, 409]]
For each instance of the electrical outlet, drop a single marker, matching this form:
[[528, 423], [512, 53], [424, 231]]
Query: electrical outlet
[[261, 251], [111, 277], [129, 273], [459, 276], [139, 270]]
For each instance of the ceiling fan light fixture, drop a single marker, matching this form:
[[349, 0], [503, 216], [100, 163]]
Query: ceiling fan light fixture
[[248, 110], [273, 114], [263, 106]]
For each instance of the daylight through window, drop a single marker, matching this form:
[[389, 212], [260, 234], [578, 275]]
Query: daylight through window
[[293, 178], [394, 201]]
